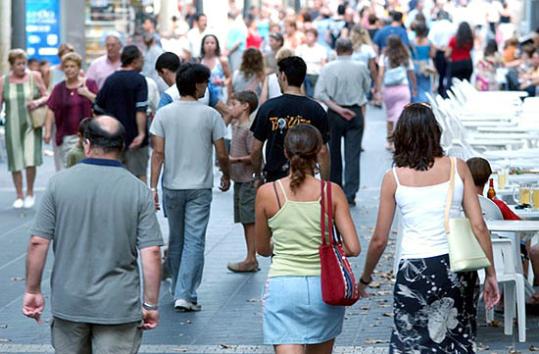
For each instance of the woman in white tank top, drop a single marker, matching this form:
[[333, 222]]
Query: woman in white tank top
[[434, 308]]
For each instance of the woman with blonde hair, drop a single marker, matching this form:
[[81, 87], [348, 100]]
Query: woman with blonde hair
[[271, 88], [23, 91], [251, 74], [69, 103]]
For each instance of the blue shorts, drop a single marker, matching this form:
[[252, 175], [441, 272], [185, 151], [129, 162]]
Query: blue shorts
[[294, 312]]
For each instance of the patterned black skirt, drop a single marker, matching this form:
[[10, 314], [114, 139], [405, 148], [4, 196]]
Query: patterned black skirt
[[434, 308]]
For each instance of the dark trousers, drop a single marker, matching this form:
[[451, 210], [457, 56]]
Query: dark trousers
[[352, 132], [440, 63], [461, 69]]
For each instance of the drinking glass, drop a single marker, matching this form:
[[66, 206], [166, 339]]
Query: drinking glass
[[502, 179]]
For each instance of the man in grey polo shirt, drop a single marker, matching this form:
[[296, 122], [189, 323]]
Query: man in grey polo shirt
[[184, 134], [343, 86], [97, 215]]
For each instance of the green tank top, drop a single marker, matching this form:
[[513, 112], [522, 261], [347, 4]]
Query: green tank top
[[296, 238]]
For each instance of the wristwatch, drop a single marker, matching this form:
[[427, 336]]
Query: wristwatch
[[153, 189], [150, 307]]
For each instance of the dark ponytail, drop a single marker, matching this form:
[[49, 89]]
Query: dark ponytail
[[302, 144]]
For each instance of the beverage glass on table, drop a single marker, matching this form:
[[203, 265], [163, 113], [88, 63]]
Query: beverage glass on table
[[535, 197], [524, 195], [502, 178]]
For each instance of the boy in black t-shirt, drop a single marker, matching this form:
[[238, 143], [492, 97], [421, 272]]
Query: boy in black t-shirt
[[279, 114]]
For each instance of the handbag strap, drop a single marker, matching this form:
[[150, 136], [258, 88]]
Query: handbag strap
[[326, 210], [450, 191]]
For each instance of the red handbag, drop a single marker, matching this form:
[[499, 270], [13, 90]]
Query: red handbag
[[338, 282]]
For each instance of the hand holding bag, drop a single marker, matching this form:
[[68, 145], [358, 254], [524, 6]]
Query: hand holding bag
[[39, 114], [339, 286], [465, 252]]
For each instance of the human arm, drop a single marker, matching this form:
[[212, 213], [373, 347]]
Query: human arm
[[378, 243], [256, 160], [262, 230], [412, 79], [141, 129], [33, 301], [88, 89], [158, 157], [141, 107], [324, 162], [472, 209], [38, 81], [372, 69], [151, 269], [227, 73], [343, 221], [49, 119], [322, 93], [224, 164]]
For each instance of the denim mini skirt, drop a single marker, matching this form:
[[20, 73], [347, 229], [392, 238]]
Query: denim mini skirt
[[294, 312]]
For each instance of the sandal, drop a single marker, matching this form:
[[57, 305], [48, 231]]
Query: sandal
[[241, 267]]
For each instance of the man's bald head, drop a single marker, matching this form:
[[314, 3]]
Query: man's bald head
[[105, 133]]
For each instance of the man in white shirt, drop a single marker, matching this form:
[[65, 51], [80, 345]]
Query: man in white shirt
[[195, 34], [315, 56], [441, 31]]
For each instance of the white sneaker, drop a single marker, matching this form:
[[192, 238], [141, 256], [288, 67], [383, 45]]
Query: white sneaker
[[18, 203], [183, 305], [29, 201]]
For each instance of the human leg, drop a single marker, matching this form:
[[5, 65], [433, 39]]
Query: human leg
[[197, 215], [70, 337], [289, 349], [136, 161], [440, 63], [17, 181], [175, 209], [30, 179], [116, 339], [244, 205], [321, 348], [352, 154], [336, 131]]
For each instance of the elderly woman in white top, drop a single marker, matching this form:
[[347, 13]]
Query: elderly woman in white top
[[434, 308]]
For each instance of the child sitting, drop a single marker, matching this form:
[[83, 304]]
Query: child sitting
[[241, 106]]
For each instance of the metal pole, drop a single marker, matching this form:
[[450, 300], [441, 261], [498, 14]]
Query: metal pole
[[199, 6], [18, 24]]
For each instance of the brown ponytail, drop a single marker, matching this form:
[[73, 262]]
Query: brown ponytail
[[302, 144]]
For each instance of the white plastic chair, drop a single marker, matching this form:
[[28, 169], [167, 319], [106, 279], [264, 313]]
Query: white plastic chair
[[513, 287], [490, 209]]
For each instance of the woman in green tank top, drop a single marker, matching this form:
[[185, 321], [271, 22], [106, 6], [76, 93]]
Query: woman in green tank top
[[288, 227], [22, 91]]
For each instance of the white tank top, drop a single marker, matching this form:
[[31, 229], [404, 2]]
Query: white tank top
[[422, 217]]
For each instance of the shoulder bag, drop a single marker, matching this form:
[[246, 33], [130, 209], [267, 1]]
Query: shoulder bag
[[339, 286], [39, 114], [465, 252]]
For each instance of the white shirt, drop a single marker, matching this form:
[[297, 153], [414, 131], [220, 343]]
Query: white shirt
[[440, 33], [173, 92], [194, 36], [313, 57], [422, 217], [364, 53]]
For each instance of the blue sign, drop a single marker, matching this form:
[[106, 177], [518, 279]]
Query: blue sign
[[43, 29]]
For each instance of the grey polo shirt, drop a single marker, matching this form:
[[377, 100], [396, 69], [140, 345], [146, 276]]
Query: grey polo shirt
[[344, 81], [97, 215]]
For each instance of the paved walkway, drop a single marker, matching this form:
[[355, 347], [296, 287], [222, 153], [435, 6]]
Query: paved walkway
[[230, 320]]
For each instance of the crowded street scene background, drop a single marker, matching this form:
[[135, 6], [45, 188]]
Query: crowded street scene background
[[267, 102]]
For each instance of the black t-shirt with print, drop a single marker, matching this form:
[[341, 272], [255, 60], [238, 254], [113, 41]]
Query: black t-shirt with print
[[273, 120]]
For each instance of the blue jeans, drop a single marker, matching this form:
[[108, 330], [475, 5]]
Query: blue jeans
[[188, 215]]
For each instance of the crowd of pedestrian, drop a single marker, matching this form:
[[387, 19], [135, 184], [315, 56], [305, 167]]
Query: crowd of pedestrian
[[292, 84]]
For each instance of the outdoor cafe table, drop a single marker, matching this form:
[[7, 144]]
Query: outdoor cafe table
[[526, 214], [517, 230]]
